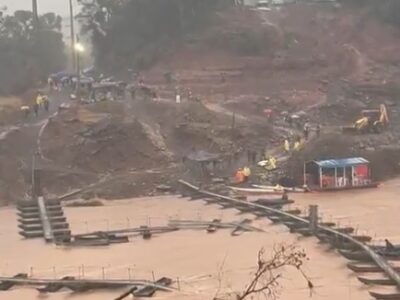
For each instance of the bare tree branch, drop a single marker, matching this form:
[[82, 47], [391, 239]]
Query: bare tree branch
[[265, 279], [219, 277]]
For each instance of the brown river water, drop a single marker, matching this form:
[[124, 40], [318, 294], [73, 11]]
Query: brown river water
[[195, 257]]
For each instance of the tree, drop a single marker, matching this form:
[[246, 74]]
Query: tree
[[133, 33], [26, 55], [266, 278], [388, 10]]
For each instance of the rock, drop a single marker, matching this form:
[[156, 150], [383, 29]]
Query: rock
[[324, 81], [217, 180], [390, 103], [163, 188]]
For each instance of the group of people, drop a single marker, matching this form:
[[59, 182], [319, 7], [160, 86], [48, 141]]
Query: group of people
[[41, 101], [295, 142], [269, 163], [242, 175], [292, 143]]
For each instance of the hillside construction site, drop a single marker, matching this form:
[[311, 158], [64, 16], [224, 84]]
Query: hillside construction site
[[172, 188]]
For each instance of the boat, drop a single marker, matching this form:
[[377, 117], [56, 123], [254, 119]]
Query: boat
[[6, 285], [280, 188], [323, 238], [345, 245], [385, 296], [295, 225], [255, 191], [364, 256], [345, 230], [376, 281], [275, 219], [362, 238], [305, 231], [284, 218], [356, 255], [116, 239], [295, 211], [367, 268], [54, 287], [84, 242], [327, 224], [273, 202]]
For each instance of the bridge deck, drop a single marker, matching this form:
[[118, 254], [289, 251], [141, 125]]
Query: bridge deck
[[47, 230]]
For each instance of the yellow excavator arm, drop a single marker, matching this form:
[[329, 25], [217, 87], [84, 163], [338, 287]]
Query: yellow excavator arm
[[384, 118], [361, 123], [373, 120]]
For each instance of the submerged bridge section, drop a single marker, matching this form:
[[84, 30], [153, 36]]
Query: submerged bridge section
[[40, 217], [44, 217], [137, 288], [351, 246]]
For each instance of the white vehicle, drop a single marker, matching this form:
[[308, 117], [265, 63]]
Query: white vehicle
[[263, 5], [268, 4]]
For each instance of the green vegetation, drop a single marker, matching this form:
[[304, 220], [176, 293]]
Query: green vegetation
[[28, 55], [387, 10], [134, 33]]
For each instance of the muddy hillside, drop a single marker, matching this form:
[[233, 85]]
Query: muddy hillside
[[237, 81], [138, 141]]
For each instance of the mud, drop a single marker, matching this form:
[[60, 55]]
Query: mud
[[312, 58]]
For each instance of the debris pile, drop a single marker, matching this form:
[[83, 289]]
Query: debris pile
[[105, 144]]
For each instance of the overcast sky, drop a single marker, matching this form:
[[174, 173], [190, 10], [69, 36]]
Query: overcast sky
[[60, 7]]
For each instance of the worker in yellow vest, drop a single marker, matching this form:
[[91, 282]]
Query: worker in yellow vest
[[246, 172], [271, 165], [296, 146], [39, 100], [286, 145]]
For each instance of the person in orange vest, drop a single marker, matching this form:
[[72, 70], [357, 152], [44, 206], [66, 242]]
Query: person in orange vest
[[239, 176]]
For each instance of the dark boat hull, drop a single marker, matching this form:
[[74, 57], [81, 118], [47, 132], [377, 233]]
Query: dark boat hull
[[376, 281], [367, 268], [381, 296], [363, 256], [356, 255]]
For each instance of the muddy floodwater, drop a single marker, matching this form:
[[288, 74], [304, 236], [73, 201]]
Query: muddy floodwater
[[194, 258]]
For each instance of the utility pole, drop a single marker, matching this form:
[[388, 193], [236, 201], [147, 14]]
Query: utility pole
[[71, 18], [78, 51], [35, 15]]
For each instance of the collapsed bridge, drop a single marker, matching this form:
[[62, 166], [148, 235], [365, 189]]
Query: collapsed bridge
[[351, 246]]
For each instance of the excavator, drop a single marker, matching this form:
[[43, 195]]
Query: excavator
[[371, 121]]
